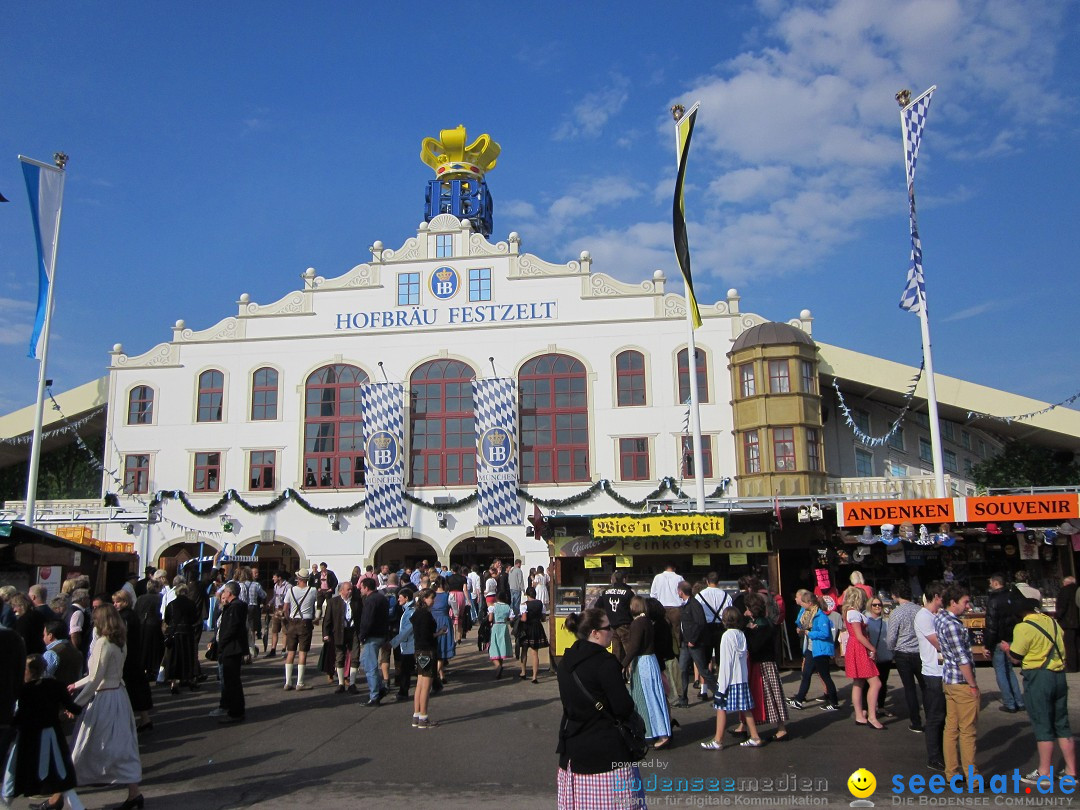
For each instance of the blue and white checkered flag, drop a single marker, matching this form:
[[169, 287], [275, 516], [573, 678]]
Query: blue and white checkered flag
[[496, 452], [383, 406], [913, 122]]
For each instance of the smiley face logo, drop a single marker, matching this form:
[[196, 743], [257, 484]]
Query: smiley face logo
[[861, 783]]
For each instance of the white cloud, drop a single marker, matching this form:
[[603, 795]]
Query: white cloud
[[972, 312], [589, 115]]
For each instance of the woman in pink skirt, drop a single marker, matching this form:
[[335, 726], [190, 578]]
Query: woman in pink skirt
[[859, 660]]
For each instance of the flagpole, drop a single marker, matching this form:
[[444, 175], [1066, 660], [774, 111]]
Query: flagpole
[[677, 113], [39, 412], [912, 135]]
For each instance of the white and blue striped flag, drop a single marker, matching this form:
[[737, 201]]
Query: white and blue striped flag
[[45, 187], [913, 122]]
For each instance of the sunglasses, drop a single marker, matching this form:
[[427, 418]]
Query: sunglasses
[[605, 627], [875, 604]]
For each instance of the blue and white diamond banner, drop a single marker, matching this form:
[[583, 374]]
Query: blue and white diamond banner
[[496, 452], [383, 406]]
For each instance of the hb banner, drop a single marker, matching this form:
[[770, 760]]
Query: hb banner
[[496, 456], [384, 438]]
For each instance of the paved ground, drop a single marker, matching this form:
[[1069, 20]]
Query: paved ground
[[496, 745]]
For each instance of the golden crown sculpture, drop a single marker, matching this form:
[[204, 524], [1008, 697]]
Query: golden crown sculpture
[[445, 274], [453, 160], [497, 437], [383, 441]]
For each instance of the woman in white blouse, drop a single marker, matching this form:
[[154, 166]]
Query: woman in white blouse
[[106, 747]]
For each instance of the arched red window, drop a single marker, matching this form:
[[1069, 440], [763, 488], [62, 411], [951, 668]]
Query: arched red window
[[630, 378], [554, 420], [211, 396], [333, 428], [684, 376], [264, 394], [442, 449], [141, 405]]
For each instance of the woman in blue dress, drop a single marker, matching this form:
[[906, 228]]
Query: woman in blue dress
[[500, 615], [440, 609], [646, 683]]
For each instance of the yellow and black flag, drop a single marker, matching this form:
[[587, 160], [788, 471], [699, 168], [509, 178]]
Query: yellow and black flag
[[684, 129]]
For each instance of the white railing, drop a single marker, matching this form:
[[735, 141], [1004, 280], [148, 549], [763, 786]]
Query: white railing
[[921, 486]]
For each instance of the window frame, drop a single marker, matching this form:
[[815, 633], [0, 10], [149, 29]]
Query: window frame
[[926, 450], [133, 472], [543, 462], [813, 450], [262, 465], [789, 457], [751, 452], [206, 389], [807, 376], [638, 384], [862, 455], [949, 461], [408, 289], [433, 374], [686, 456], [639, 457], [211, 468], [265, 388], [314, 478], [480, 284], [747, 383], [145, 414], [896, 439], [779, 383], [444, 246], [682, 374]]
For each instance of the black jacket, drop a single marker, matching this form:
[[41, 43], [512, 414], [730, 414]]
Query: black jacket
[[1066, 612], [374, 618], [333, 626], [588, 741], [12, 667], [694, 629], [1000, 616], [232, 631], [760, 640]]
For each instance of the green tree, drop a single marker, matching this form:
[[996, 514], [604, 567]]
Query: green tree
[[1021, 464]]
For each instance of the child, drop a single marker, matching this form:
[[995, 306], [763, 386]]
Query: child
[[732, 686], [39, 761]]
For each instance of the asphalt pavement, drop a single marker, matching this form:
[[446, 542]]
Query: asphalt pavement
[[495, 747]]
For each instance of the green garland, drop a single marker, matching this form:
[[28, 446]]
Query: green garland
[[667, 484]]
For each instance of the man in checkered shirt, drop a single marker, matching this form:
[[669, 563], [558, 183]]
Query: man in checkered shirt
[[961, 690]]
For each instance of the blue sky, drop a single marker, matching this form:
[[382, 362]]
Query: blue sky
[[217, 149]]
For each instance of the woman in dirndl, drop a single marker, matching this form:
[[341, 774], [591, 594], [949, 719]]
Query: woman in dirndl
[[501, 646], [596, 771], [646, 679], [732, 683], [39, 760], [441, 609], [138, 687], [106, 747], [859, 659], [533, 636], [762, 672]]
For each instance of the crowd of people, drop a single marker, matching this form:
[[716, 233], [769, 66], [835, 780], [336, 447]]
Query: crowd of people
[[729, 644]]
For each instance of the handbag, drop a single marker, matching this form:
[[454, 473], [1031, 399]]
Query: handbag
[[423, 661], [212, 651], [632, 729]]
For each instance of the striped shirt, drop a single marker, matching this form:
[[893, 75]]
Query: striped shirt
[[955, 646], [900, 634]]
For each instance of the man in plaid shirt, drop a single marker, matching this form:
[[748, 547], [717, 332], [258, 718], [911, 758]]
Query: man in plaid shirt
[[961, 690]]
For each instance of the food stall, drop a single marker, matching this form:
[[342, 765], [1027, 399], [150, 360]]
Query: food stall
[[641, 546]]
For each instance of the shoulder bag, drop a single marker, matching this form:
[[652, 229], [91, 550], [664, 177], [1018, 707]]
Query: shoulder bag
[[632, 729]]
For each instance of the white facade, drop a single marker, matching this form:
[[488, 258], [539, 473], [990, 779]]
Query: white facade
[[535, 308]]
